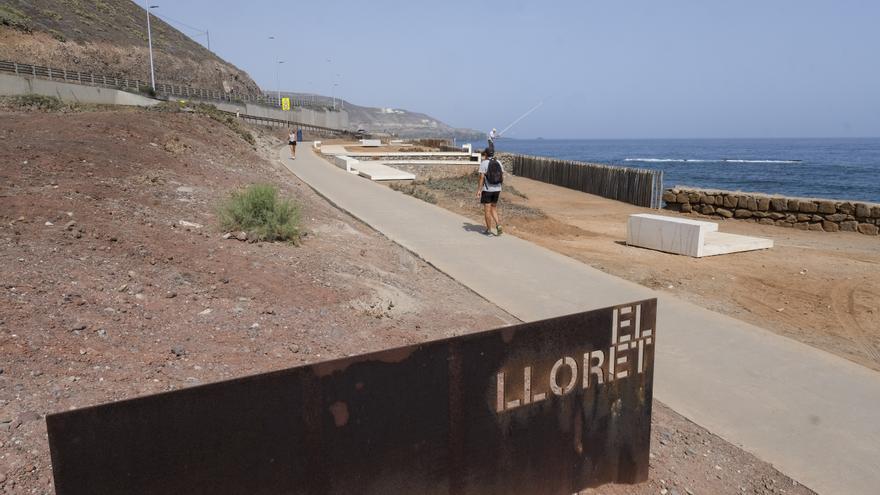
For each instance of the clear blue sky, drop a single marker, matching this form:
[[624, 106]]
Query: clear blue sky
[[611, 69]]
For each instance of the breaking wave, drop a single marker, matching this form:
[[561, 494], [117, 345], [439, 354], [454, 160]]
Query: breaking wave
[[693, 160]]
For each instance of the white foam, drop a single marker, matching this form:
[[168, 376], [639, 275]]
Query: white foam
[[697, 160]]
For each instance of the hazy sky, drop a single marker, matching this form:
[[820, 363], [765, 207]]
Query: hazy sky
[[607, 69]]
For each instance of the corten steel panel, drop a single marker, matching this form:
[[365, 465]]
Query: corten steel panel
[[425, 419]]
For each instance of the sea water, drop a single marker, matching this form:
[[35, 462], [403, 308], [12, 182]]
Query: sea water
[[817, 168]]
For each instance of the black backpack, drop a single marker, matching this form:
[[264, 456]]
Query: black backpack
[[494, 173]]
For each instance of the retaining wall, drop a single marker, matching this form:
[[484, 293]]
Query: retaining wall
[[12, 85], [72, 93], [826, 215]]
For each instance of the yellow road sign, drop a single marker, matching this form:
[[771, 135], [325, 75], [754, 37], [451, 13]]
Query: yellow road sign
[[285, 103]]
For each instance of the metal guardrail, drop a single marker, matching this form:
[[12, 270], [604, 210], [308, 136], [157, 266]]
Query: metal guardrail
[[138, 86], [289, 123]]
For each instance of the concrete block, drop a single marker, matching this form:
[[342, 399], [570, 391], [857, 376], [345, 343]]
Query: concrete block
[[668, 234], [371, 142], [687, 237]]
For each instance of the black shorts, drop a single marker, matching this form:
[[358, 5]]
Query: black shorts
[[292, 143], [489, 197]]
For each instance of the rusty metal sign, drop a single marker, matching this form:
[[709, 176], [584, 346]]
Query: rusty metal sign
[[550, 407]]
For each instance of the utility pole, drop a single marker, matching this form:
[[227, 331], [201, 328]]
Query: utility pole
[[150, 43], [277, 81]]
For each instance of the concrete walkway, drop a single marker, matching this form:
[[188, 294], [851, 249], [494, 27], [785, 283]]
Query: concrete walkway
[[815, 416]]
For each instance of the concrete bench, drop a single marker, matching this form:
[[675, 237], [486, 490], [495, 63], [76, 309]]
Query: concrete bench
[[687, 237], [346, 163]]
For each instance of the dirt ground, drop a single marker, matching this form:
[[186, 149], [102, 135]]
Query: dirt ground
[[106, 294], [820, 288]]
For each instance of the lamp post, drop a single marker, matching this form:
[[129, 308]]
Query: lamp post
[[333, 95], [150, 44], [277, 82]]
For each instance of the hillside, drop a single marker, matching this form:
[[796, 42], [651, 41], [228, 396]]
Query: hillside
[[401, 123], [109, 37]]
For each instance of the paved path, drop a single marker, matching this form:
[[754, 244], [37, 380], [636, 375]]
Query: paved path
[[813, 415]]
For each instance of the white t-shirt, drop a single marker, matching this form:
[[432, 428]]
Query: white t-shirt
[[292, 137], [484, 167], [492, 135]]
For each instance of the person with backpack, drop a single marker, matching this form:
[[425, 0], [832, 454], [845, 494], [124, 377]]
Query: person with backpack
[[488, 190]]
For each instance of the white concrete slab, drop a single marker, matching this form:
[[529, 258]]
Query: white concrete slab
[[687, 237], [717, 243], [371, 142], [378, 171]]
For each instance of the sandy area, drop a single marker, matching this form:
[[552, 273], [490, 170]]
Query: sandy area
[[107, 295]]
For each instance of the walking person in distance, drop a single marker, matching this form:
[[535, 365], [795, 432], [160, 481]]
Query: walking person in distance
[[291, 140], [488, 190]]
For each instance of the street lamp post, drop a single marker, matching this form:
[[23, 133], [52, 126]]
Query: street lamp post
[[277, 82], [150, 44]]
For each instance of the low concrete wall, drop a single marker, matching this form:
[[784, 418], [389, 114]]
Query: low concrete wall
[[329, 119], [826, 215], [11, 85], [435, 171]]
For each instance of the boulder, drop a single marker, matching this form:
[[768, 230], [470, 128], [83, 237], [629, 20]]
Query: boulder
[[846, 208], [827, 207], [790, 217], [817, 218], [783, 223], [669, 196], [816, 226], [763, 204], [875, 212], [742, 213], [802, 226], [849, 226], [694, 197], [868, 229], [807, 207], [729, 201], [830, 226], [724, 212], [837, 217], [766, 221], [760, 214], [709, 200], [681, 197], [862, 210], [792, 205], [803, 217], [777, 216], [751, 203], [686, 208], [778, 204], [707, 210]]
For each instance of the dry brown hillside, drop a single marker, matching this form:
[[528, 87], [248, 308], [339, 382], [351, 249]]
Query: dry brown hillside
[[109, 37]]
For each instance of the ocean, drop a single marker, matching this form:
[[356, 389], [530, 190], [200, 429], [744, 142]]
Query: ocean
[[847, 169]]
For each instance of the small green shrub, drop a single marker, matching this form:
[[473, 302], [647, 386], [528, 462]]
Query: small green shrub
[[225, 119], [415, 190], [14, 18], [259, 211]]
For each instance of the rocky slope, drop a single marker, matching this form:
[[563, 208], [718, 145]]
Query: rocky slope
[[109, 37]]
